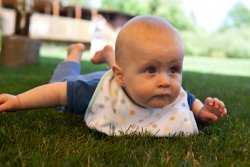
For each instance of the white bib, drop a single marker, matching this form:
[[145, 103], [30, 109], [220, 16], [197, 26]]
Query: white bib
[[110, 111]]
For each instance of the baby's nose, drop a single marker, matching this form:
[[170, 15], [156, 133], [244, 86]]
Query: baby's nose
[[163, 81]]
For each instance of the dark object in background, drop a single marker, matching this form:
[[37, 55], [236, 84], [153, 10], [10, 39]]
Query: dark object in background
[[19, 51]]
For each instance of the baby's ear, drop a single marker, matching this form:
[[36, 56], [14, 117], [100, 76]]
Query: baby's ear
[[117, 71]]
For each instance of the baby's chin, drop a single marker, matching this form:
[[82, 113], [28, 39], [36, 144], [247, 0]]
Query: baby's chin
[[156, 105]]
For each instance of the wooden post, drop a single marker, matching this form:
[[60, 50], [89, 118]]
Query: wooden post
[[55, 8], [78, 12], [48, 8], [23, 17]]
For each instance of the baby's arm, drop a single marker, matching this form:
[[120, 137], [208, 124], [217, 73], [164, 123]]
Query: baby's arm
[[44, 96], [209, 112]]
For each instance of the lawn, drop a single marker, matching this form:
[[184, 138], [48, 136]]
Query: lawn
[[47, 137]]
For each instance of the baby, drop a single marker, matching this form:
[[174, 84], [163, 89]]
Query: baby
[[142, 92]]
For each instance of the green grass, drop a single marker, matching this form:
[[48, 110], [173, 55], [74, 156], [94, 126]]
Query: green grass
[[224, 66], [46, 137]]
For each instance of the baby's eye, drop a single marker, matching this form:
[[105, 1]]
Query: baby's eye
[[173, 70], [151, 70]]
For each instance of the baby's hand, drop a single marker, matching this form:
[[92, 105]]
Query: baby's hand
[[212, 110], [9, 102]]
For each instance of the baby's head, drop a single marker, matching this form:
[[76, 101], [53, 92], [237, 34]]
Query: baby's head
[[149, 57]]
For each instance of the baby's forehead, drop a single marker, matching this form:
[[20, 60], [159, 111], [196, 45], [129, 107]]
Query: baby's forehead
[[141, 33], [160, 57]]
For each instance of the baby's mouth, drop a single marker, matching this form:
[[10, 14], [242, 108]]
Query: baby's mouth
[[162, 96]]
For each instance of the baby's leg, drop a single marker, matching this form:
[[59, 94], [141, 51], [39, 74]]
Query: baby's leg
[[75, 52], [106, 55], [71, 66]]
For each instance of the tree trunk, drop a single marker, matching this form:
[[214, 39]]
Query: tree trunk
[[19, 51]]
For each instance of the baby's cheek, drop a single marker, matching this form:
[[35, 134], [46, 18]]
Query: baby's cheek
[[141, 94], [145, 91], [175, 91]]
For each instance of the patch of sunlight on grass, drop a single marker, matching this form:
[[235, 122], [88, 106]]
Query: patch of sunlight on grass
[[213, 65], [55, 51], [59, 51]]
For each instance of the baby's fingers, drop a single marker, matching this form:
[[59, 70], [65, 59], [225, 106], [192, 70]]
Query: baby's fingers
[[1, 99], [224, 113], [216, 106], [2, 104], [208, 118], [2, 107], [220, 106]]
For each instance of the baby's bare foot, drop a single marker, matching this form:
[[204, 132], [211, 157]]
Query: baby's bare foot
[[106, 55], [75, 52]]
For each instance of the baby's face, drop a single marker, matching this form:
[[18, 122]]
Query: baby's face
[[153, 74]]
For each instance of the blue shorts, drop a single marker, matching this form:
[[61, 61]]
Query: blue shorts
[[80, 88]]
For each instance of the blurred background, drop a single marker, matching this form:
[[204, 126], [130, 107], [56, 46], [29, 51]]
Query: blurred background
[[209, 28]]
